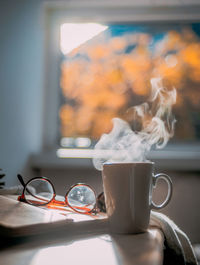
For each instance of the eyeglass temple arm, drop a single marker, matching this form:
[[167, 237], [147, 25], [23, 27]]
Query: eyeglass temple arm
[[23, 184], [21, 180]]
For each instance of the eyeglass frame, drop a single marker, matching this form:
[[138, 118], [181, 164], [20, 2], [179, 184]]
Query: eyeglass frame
[[53, 200]]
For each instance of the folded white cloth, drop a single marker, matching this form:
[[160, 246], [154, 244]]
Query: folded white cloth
[[196, 248], [178, 246]]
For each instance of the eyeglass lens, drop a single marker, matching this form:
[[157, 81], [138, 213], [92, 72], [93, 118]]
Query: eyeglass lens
[[81, 198], [39, 192]]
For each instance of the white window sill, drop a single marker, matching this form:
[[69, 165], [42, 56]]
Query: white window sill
[[182, 160]]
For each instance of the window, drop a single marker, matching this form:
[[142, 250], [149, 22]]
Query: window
[[155, 46], [110, 70]]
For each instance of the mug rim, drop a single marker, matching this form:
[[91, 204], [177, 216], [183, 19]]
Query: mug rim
[[128, 163]]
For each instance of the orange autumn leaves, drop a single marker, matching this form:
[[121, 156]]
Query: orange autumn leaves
[[101, 83]]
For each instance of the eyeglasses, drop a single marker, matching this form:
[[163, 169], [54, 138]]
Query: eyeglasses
[[40, 191]]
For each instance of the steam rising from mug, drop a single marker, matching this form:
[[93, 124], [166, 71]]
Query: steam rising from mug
[[149, 124]]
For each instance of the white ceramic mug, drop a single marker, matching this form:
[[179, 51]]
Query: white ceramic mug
[[128, 195]]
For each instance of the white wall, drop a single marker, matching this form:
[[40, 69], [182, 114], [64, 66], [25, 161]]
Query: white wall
[[21, 84]]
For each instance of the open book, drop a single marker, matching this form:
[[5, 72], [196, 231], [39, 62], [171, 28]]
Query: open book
[[21, 219]]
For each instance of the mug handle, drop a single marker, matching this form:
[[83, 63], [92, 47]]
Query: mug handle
[[169, 194]]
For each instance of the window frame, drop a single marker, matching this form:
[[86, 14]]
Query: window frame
[[102, 12]]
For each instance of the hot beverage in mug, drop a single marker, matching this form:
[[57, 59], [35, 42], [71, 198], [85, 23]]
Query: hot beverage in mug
[[128, 195]]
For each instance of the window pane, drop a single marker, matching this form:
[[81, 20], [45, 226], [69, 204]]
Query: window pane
[[106, 69]]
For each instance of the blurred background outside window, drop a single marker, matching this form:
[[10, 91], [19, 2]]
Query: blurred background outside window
[[106, 68]]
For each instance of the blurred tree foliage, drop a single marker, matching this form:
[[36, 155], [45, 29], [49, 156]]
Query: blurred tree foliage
[[102, 78]]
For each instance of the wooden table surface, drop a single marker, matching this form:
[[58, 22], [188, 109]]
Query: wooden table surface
[[79, 242]]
